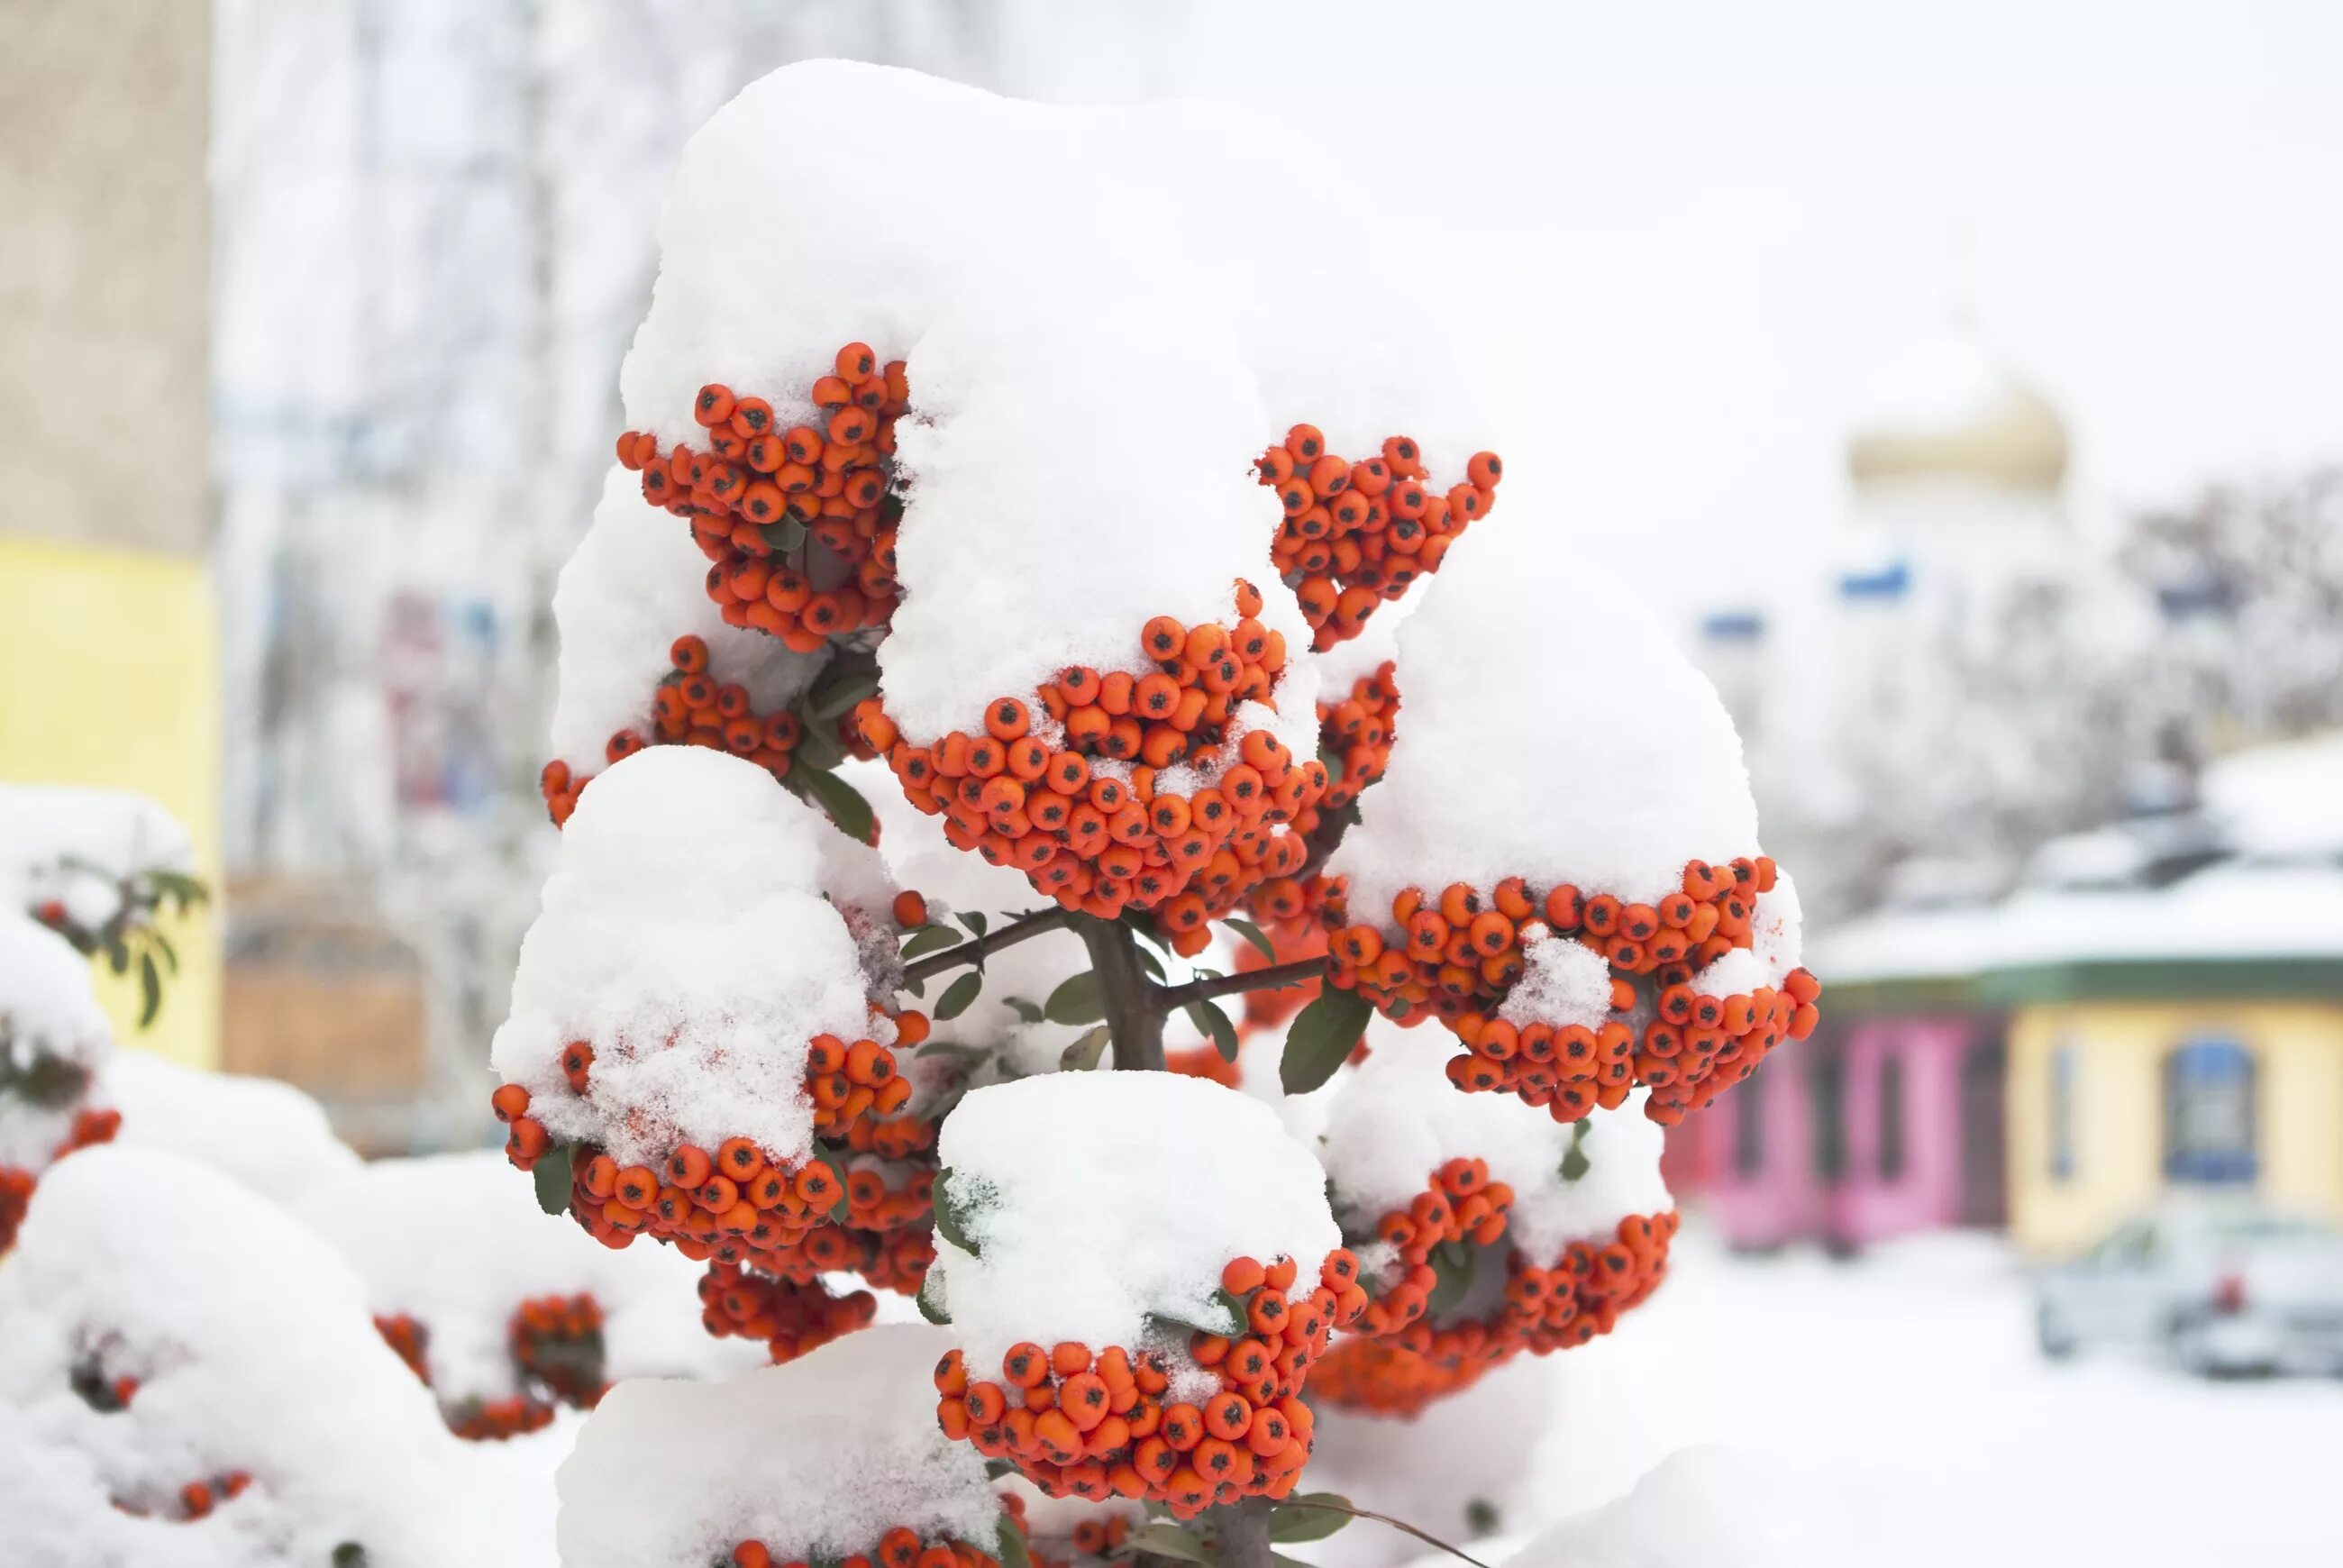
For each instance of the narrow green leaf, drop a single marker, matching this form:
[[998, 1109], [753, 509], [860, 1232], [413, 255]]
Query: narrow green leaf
[[1453, 1277], [118, 957], [552, 1176], [1026, 1012], [927, 1309], [1332, 762], [1301, 1519], [817, 749], [1216, 1026], [929, 939], [1012, 1553], [1149, 961], [1167, 1540], [1225, 1316], [1574, 1164], [784, 536], [1321, 1037], [1253, 934], [844, 801], [975, 923], [959, 995], [162, 944], [834, 698], [1085, 1053], [951, 1220], [150, 990], [1080, 1000], [841, 1210]]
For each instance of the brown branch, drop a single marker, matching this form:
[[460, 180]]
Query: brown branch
[[977, 950], [1132, 1019], [1170, 998]]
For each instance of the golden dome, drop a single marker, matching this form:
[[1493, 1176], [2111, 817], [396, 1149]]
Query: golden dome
[[1950, 411]]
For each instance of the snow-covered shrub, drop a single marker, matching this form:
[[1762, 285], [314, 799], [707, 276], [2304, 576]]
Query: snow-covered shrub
[[53, 1039], [190, 1375], [97, 866], [1017, 470]]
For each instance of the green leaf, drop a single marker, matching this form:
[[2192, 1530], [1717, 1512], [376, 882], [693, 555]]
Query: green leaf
[[1253, 934], [818, 750], [1321, 1037], [1012, 1553], [150, 990], [950, 1218], [975, 923], [834, 699], [1305, 1518], [186, 890], [927, 1309], [1080, 1000], [841, 1208], [118, 957], [349, 1554], [844, 801], [1167, 1540], [1085, 1053], [1453, 1276], [1216, 1026], [1332, 762], [1225, 1317], [959, 995], [1148, 961], [1026, 1012], [1574, 1162], [553, 1176], [927, 939], [784, 536]]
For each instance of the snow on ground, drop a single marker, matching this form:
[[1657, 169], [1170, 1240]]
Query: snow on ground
[[1906, 1391]]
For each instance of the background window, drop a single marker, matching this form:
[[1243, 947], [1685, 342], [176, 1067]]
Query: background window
[[1826, 1083], [1749, 1127], [2065, 1066], [2208, 1113], [1891, 1118]]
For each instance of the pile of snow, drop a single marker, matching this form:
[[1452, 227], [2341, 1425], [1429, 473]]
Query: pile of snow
[[456, 1242], [79, 848], [634, 585], [254, 1353], [1095, 1202], [1563, 983], [1396, 1120], [53, 1037], [817, 1459], [263, 1133], [1609, 773], [685, 936], [1715, 1507]]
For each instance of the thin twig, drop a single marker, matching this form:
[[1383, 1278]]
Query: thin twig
[[1170, 998], [979, 949], [1399, 1524]]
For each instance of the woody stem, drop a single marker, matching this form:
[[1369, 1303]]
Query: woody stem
[[1242, 1534], [978, 949], [1170, 998], [1133, 1021]]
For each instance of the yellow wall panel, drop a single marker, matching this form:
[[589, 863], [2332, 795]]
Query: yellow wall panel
[[109, 676]]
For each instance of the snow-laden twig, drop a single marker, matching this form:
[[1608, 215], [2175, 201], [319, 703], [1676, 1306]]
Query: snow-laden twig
[[979, 949]]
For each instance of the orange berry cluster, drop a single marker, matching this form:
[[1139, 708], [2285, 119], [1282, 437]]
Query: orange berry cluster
[[197, 1498], [409, 1339], [1400, 1360], [1458, 957], [1359, 729], [791, 1316], [17, 1185], [1096, 842], [556, 1345], [1091, 1537], [1093, 1426], [761, 499], [690, 710], [1356, 534], [898, 1548]]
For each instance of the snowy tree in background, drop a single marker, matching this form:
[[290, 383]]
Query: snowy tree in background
[[950, 468]]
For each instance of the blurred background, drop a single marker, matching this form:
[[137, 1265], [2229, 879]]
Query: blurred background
[[1960, 379]]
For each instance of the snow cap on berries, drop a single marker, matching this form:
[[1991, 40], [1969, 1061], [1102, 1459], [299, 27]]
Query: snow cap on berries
[[815, 1461], [1102, 1207], [1551, 732], [52, 1029], [686, 938]]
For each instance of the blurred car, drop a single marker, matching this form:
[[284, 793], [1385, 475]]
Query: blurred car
[[2224, 1288]]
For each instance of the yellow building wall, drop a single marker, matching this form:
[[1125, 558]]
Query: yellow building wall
[[109, 676], [2118, 1116]]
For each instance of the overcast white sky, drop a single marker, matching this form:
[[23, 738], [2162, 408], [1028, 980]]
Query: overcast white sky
[[1698, 229]]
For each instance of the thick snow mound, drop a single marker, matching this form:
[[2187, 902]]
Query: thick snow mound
[[634, 585], [265, 1134], [1097, 1199], [1709, 1507], [456, 1242], [1395, 1121], [1550, 731], [817, 1459], [686, 938], [252, 1353], [53, 1037]]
